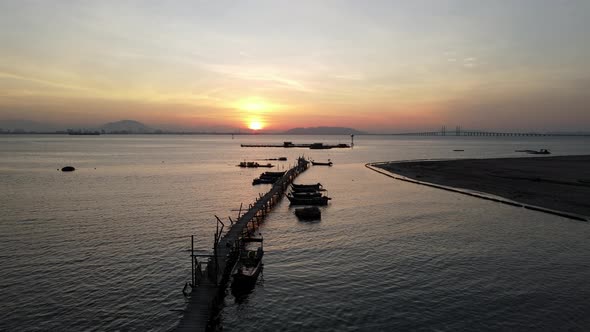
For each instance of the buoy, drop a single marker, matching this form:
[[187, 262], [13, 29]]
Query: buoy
[[68, 169]]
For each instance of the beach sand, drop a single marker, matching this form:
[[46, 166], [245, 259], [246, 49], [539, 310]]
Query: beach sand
[[557, 183]]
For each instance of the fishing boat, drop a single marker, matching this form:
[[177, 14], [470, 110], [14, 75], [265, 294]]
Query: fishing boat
[[249, 263], [306, 190], [264, 181], [68, 169], [253, 164], [272, 174], [268, 177], [542, 151], [309, 213], [322, 200], [310, 194], [317, 163], [319, 146], [316, 186]]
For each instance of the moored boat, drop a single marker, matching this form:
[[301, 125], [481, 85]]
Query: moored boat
[[306, 190], [264, 181], [316, 186], [272, 174], [309, 213], [310, 194], [542, 151], [268, 177], [319, 146], [322, 200], [317, 163], [253, 164], [249, 264]]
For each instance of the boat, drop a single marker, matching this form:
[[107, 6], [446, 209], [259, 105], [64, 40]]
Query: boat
[[309, 194], [316, 186], [268, 177], [249, 263], [542, 151], [306, 190], [309, 213], [68, 169], [264, 181], [317, 163], [253, 164], [319, 146], [322, 200], [272, 174]]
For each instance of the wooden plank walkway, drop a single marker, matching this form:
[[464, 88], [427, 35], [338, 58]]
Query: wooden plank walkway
[[201, 313]]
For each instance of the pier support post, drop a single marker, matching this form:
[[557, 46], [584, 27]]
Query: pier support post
[[193, 283]]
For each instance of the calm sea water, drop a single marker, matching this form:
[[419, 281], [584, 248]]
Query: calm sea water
[[105, 247]]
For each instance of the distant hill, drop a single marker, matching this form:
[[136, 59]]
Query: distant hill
[[323, 131], [126, 127]]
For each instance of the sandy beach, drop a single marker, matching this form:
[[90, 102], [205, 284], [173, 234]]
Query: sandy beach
[[557, 183]]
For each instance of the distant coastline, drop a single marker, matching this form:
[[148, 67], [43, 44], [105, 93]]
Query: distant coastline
[[160, 132], [133, 127]]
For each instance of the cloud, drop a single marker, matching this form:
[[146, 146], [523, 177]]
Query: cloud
[[260, 74], [40, 81]]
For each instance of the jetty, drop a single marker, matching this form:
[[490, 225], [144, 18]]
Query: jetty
[[313, 146], [210, 273]]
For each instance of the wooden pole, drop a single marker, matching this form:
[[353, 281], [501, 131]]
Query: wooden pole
[[193, 261]]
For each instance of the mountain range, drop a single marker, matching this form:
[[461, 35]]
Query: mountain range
[[126, 127]]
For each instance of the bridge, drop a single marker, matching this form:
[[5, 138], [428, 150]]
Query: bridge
[[460, 132]]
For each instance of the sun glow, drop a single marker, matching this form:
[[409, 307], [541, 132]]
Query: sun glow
[[255, 124]]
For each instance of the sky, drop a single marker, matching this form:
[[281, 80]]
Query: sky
[[378, 66]]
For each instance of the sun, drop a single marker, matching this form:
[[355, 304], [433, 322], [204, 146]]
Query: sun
[[255, 124]]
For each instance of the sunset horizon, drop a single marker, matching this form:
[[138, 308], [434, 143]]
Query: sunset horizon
[[391, 66], [271, 165]]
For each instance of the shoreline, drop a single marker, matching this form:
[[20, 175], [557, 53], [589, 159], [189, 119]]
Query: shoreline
[[557, 185]]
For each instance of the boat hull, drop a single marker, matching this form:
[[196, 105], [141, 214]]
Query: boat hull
[[247, 268], [308, 214], [314, 163], [319, 201]]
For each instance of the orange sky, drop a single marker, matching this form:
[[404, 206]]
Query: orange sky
[[381, 67]]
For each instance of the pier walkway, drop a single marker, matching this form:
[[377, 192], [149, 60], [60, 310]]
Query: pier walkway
[[208, 286]]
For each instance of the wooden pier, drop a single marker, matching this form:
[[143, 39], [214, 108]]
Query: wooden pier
[[208, 285]]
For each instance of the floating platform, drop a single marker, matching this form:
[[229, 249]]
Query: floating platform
[[315, 146]]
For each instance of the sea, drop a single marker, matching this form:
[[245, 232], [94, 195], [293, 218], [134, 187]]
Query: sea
[[106, 247]]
